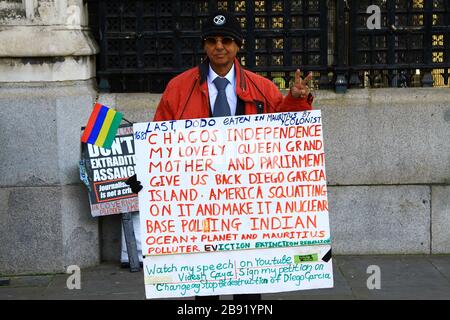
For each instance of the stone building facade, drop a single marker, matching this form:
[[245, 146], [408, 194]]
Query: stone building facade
[[47, 87], [387, 151]]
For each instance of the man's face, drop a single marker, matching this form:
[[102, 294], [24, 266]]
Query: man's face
[[221, 50]]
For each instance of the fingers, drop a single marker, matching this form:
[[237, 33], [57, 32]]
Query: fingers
[[300, 88], [308, 77], [298, 78]]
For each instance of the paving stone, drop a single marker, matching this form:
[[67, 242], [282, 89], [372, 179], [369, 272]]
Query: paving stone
[[420, 277]]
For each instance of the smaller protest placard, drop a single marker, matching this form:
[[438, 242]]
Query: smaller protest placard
[[106, 170]]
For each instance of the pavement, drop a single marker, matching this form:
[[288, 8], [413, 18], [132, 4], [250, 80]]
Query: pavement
[[403, 277]]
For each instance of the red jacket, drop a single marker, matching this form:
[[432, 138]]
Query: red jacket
[[186, 96]]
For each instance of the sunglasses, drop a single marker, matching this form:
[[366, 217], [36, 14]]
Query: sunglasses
[[212, 41]]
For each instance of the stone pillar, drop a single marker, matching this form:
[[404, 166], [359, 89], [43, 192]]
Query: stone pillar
[[47, 89]]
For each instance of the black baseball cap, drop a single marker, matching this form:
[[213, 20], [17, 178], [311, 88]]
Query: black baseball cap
[[223, 24]]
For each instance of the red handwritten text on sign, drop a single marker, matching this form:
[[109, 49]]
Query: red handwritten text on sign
[[232, 183]]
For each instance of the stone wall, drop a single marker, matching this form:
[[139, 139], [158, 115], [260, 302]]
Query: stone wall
[[45, 40], [47, 89]]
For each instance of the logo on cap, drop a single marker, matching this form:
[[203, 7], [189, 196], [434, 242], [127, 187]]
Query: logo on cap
[[219, 20]]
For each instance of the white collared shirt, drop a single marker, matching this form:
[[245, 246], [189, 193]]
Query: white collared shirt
[[230, 89]]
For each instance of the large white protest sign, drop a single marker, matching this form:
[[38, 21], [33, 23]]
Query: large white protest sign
[[232, 183]]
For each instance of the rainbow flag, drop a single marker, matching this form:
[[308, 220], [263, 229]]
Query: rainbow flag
[[102, 126]]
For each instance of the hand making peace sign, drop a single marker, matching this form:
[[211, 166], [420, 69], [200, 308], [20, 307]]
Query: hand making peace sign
[[300, 87]]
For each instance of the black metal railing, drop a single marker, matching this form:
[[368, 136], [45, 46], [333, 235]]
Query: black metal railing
[[144, 43], [407, 50]]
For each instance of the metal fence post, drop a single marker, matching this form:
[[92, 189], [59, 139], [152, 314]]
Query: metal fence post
[[324, 82], [354, 81], [427, 78], [341, 45]]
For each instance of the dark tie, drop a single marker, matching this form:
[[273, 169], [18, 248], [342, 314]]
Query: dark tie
[[221, 106]]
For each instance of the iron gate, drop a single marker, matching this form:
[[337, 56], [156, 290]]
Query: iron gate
[[144, 43], [408, 50]]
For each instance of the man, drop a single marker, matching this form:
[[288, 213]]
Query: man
[[194, 93], [221, 87]]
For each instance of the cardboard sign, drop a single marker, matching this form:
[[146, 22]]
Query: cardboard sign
[[222, 185], [106, 171]]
